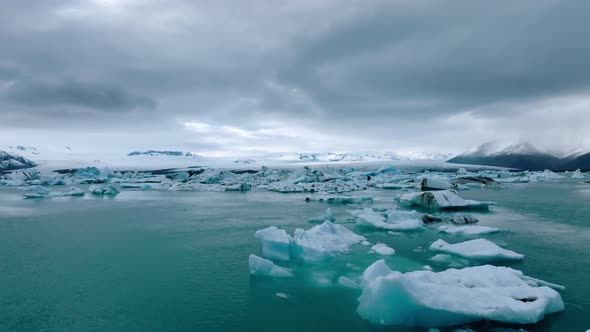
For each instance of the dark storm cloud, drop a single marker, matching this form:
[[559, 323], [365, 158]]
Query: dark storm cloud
[[92, 96], [386, 69]]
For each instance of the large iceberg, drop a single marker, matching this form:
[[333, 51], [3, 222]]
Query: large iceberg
[[263, 267], [453, 297], [444, 199], [478, 249]]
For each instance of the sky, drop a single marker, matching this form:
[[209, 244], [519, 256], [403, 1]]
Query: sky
[[251, 77]]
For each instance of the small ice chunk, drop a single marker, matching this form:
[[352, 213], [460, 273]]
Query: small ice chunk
[[275, 243], [282, 295], [427, 267], [99, 190], [382, 249], [468, 230], [346, 282], [263, 267], [326, 216], [74, 191], [463, 220], [478, 249], [462, 296]]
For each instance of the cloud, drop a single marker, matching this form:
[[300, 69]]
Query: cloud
[[94, 96], [321, 74]]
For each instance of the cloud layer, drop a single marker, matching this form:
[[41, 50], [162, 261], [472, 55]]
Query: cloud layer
[[259, 76]]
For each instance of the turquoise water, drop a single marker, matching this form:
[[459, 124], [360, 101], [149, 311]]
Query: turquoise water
[[179, 260]]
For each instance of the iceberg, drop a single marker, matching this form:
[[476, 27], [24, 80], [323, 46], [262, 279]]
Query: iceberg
[[468, 230], [577, 174], [275, 243], [317, 244], [396, 220], [262, 267], [478, 249], [462, 296], [382, 249], [103, 190], [322, 242], [441, 200]]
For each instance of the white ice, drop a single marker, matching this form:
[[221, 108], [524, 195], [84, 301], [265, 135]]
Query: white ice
[[382, 249], [443, 199], [478, 249], [467, 230], [326, 216], [462, 296], [262, 267]]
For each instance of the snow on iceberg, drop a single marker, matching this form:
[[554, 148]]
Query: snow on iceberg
[[275, 243], [322, 242], [478, 249], [444, 199], [382, 249], [467, 230], [462, 296], [262, 267]]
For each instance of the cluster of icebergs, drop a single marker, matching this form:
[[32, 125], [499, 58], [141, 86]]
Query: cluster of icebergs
[[466, 288]]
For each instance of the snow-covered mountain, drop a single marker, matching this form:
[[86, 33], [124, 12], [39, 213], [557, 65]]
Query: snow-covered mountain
[[157, 153], [361, 156], [9, 162], [521, 155]]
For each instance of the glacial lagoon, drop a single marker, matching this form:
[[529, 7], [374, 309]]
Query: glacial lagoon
[[178, 260]]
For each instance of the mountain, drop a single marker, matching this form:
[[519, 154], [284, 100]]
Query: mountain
[[578, 162], [521, 155], [9, 162], [156, 153]]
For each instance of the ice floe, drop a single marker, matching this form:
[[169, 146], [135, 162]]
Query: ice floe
[[467, 230], [478, 249]]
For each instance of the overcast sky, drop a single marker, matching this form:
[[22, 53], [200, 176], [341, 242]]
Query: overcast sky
[[245, 77]]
